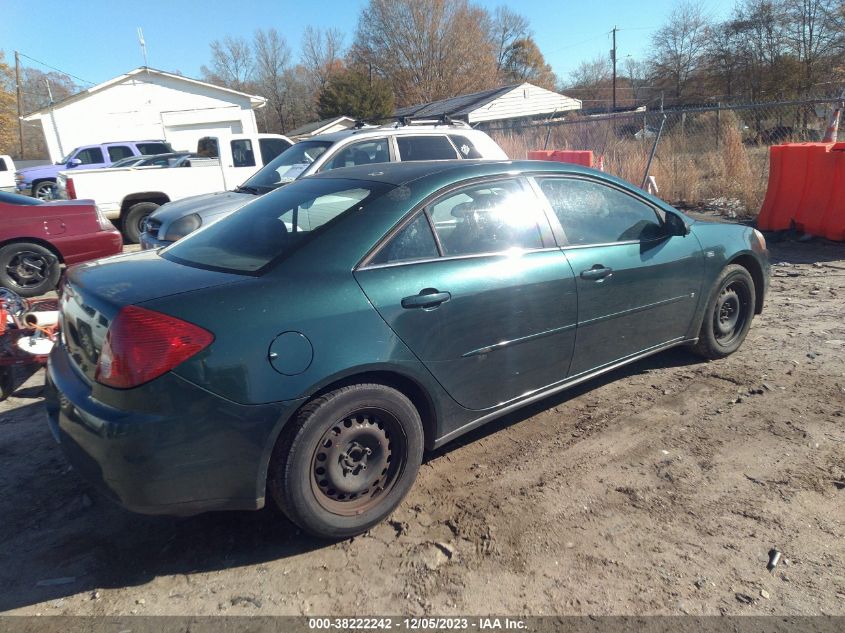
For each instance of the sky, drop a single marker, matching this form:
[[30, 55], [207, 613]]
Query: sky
[[96, 40]]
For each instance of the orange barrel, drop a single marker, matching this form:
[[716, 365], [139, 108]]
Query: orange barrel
[[786, 185], [578, 157], [833, 220], [821, 167]]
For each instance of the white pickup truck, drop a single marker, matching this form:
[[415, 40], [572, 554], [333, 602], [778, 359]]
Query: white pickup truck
[[7, 174], [128, 195]]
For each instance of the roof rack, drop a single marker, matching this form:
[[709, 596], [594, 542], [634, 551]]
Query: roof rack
[[443, 119]]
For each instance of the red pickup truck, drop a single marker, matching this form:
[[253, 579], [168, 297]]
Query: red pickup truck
[[37, 237]]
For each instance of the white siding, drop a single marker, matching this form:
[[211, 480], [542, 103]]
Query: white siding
[[524, 101], [146, 106]]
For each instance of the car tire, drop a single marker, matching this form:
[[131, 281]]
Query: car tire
[[44, 190], [347, 460], [728, 314], [132, 224], [28, 269]]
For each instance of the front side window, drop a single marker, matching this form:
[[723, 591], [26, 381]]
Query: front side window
[[242, 154], [271, 147], [3, 165], [363, 153], [273, 225], [594, 213], [425, 148], [117, 152], [487, 218], [90, 156], [414, 241], [287, 166]]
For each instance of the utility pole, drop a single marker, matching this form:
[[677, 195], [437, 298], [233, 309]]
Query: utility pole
[[18, 85], [613, 60]]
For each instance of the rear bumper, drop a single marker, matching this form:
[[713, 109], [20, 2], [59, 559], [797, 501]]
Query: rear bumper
[[148, 242], [180, 450]]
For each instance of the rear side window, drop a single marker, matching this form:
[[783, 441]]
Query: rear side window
[[425, 148], [3, 165], [595, 213], [90, 156], [486, 218], [148, 149], [116, 152], [208, 148], [465, 147], [242, 154], [270, 148], [415, 241], [274, 224]]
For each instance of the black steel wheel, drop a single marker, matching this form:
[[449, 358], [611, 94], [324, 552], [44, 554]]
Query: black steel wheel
[[347, 460], [728, 314], [28, 269]]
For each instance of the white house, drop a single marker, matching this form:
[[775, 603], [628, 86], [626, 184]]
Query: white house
[[496, 106], [326, 126], [146, 104]]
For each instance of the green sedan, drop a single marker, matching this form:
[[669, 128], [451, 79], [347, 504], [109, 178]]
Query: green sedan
[[313, 345]]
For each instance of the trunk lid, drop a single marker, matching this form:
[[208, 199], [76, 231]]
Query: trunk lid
[[95, 292]]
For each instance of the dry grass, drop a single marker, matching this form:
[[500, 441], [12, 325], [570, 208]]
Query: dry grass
[[695, 163]]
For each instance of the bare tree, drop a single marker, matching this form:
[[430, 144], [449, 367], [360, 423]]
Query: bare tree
[[813, 34], [321, 53], [679, 47], [232, 63], [426, 49], [272, 65], [506, 27]]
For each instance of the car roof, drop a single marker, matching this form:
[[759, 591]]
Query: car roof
[[392, 130], [400, 173]]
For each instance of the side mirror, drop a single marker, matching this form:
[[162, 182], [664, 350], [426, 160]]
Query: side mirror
[[675, 226], [74, 162]]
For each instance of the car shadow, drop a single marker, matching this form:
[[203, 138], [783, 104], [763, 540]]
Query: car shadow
[[62, 538]]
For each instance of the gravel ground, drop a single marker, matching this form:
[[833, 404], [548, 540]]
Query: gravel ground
[[658, 489]]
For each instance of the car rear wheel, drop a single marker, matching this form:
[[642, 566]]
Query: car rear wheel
[[728, 315], [44, 190], [28, 269], [347, 460], [134, 220]]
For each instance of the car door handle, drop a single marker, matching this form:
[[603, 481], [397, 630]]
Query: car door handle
[[597, 273], [427, 298]]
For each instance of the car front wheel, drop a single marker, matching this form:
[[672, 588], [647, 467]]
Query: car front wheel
[[347, 460], [44, 190], [728, 314]]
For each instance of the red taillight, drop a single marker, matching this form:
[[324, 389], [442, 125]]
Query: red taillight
[[70, 189], [142, 345]]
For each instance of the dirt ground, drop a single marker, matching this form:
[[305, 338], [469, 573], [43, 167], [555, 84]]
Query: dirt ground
[[658, 489]]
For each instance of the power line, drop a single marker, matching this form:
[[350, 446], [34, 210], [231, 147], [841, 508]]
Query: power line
[[58, 70]]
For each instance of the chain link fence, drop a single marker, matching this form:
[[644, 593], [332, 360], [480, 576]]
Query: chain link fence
[[715, 156]]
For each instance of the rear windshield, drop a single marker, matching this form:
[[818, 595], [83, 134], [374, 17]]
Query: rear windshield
[[287, 166], [153, 148], [13, 198], [262, 231]]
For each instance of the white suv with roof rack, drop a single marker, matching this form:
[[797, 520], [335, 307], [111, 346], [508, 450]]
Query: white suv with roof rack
[[365, 144]]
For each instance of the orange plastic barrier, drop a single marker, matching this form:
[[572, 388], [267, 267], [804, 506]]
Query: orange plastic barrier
[[578, 157], [806, 189]]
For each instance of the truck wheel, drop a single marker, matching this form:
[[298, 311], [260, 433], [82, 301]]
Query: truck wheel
[[28, 269], [45, 190], [133, 222], [347, 460]]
